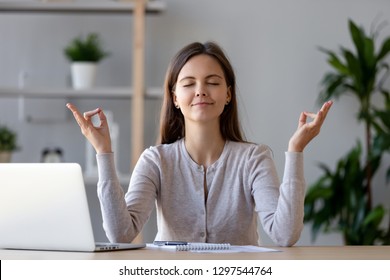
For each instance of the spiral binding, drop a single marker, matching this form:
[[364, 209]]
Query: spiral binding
[[203, 247]]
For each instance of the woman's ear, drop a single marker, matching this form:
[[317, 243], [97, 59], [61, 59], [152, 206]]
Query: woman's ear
[[229, 95], [174, 99]]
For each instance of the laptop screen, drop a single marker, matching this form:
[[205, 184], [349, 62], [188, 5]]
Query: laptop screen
[[44, 206]]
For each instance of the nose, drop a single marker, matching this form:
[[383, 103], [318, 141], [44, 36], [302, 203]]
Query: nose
[[200, 90]]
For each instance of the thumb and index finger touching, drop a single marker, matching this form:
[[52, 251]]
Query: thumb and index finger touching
[[99, 135], [84, 120], [318, 118]]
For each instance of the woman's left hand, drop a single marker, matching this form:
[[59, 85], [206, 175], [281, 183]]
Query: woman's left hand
[[307, 131]]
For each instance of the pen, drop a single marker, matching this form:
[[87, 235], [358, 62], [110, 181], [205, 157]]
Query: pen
[[169, 243]]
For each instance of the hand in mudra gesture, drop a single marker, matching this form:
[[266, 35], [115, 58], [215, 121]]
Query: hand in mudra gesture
[[98, 136], [308, 130]]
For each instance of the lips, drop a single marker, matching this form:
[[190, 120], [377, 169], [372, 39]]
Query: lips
[[201, 103]]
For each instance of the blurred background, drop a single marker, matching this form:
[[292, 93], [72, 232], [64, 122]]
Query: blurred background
[[273, 46]]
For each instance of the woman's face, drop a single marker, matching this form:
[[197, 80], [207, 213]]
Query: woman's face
[[201, 91]]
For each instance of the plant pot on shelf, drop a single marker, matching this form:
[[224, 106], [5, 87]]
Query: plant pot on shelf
[[5, 156], [83, 74], [84, 53], [8, 143]]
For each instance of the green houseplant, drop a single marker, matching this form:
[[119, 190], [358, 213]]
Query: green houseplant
[[341, 199], [8, 143], [84, 53]]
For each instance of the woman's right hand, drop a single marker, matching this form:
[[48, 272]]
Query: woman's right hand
[[98, 136]]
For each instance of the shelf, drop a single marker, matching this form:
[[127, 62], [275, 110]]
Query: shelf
[[138, 8], [116, 93], [152, 7]]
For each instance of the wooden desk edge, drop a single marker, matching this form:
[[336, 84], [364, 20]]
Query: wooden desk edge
[[288, 253]]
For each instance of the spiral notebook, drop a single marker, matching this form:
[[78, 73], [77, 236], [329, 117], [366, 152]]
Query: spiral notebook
[[196, 246], [203, 246]]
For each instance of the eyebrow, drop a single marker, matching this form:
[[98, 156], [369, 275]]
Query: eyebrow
[[207, 77]]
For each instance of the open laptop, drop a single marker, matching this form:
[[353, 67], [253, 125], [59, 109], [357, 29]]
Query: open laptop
[[44, 206]]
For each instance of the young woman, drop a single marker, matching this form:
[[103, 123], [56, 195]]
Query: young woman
[[207, 182]]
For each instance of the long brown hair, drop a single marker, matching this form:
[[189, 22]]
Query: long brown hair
[[172, 125]]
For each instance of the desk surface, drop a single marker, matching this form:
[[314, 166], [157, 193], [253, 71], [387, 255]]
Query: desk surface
[[290, 253]]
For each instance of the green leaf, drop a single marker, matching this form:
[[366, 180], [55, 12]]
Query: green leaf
[[358, 37], [85, 49], [338, 65], [334, 86], [369, 53], [354, 68], [8, 139], [374, 217], [388, 176], [384, 51], [335, 62]]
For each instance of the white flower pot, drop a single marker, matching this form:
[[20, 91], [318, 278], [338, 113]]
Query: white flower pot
[[5, 156], [83, 74]]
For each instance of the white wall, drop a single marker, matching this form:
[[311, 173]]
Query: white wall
[[272, 45]]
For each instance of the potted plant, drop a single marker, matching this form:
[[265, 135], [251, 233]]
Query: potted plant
[[341, 199], [7, 143], [84, 53]]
